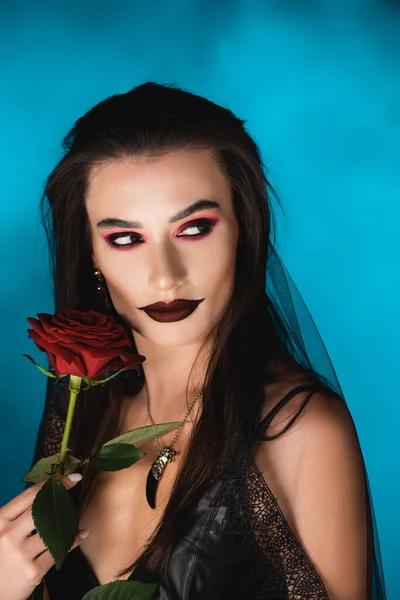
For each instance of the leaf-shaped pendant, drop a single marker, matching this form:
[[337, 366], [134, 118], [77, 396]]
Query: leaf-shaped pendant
[[156, 470]]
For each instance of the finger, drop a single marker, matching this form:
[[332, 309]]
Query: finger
[[34, 545], [18, 505], [23, 526], [45, 561]]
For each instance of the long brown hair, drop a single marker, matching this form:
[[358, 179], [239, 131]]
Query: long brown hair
[[250, 336]]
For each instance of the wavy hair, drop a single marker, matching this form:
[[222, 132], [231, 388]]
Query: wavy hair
[[249, 340]]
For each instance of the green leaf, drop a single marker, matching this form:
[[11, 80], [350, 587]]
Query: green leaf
[[115, 457], [56, 519], [93, 382], [122, 590], [142, 434], [71, 463], [86, 381], [42, 469], [42, 369]]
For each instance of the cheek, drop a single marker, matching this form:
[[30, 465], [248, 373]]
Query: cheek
[[122, 283], [219, 271], [217, 259]]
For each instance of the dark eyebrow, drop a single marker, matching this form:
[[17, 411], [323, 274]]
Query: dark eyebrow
[[202, 204]]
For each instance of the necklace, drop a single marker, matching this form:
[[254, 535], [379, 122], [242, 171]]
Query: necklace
[[164, 456]]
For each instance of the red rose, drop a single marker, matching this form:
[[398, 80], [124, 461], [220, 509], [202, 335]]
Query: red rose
[[83, 343]]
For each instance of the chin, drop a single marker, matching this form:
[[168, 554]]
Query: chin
[[168, 337], [191, 330]]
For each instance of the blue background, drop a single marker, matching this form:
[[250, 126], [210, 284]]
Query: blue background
[[318, 83]]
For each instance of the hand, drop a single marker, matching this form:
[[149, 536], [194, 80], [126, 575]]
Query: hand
[[24, 558]]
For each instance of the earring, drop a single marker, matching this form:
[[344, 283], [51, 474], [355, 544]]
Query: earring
[[101, 288]]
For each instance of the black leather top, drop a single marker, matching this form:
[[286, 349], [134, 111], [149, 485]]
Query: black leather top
[[238, 546]]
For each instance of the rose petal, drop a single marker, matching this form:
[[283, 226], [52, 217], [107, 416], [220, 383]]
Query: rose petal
[[83, 343]]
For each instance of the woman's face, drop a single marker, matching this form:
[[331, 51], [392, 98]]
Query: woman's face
[[153, 244]]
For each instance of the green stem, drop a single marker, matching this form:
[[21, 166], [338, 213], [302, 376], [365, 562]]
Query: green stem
[[74, 387]]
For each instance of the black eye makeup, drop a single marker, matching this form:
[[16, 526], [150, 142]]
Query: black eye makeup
[[126, 239]]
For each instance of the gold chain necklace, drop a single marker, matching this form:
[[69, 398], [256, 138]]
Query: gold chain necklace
[[165, 455]]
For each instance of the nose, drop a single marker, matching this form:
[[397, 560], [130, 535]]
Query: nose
[[167, 271]]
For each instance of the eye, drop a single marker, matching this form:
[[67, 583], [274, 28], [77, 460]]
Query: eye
[[195, 229], [121, 240], [198, 228]]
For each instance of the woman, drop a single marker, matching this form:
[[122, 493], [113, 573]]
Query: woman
[[161, 203]]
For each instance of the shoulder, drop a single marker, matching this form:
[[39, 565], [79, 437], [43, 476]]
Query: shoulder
[[322, 435], [310, 405], [315, 471]]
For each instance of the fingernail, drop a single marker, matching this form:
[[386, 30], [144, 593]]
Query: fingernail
[[74, 477], [83, 533]]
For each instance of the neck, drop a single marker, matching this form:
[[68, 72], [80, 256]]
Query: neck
[[167, 373]]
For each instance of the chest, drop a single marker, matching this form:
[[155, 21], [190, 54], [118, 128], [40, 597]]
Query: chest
[[118, 516]]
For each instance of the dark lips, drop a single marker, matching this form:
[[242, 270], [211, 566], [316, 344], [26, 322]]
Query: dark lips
[[177, 304], [173, 311]]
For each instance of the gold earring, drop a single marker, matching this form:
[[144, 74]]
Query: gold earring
[[101, 288]]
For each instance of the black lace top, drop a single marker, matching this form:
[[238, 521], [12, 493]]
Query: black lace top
[[238, 545]]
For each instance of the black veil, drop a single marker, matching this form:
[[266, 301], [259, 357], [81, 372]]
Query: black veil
[[310, 351]]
